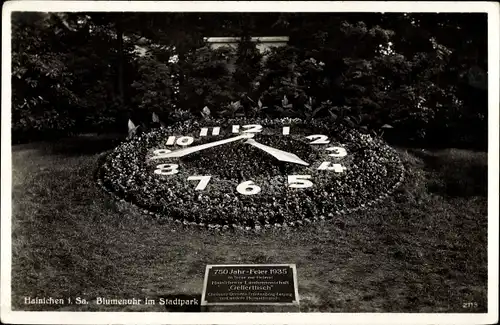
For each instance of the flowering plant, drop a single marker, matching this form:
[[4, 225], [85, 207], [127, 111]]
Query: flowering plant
[[372, 171]]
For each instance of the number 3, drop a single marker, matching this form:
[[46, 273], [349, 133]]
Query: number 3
[[167, 169], [337, 152]]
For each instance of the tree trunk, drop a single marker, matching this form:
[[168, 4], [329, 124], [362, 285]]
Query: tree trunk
[[119, 35]]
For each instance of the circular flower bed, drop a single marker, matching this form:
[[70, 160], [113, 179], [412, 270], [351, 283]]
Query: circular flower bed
[[369, 171]]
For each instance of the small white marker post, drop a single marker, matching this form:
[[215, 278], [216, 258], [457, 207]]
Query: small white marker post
[[236, 128], [286, 130]]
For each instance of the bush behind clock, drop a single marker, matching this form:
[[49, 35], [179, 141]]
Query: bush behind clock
[[373, 171]]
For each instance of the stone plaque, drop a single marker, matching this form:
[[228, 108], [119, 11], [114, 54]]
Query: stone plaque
[[252, 284]]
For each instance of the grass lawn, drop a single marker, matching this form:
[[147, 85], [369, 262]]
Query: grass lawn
[[422, 250]]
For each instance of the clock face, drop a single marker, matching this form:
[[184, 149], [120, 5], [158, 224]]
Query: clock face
[[252, 172]]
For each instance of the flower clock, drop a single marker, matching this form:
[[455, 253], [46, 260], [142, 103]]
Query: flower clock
[[252, 173]]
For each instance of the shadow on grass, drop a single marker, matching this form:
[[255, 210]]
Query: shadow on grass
[[80, 145], [87, 144], [456, 173]]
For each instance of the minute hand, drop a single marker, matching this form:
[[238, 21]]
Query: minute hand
[[187, 151], [279, 154]]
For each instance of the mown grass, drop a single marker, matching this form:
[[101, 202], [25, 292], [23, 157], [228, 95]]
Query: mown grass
[[422, 250]]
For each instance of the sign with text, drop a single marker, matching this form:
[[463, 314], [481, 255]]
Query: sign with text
[[252, 284]]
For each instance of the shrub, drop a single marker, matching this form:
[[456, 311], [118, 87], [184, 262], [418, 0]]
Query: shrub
[[41, 81], [432, 91], [155, 85], [248, 66], [206, 80]]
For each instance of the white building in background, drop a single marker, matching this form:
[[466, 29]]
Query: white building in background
[[263, 43]]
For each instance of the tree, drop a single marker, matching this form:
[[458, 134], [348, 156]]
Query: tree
[[421, 73], [41, 81]]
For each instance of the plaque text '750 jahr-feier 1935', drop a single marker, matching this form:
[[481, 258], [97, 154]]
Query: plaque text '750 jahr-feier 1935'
[[271, 284]]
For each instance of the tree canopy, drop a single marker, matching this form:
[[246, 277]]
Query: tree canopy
[[424, 73]]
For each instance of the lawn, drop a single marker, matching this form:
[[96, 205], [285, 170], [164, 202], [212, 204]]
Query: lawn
[[422, 250]]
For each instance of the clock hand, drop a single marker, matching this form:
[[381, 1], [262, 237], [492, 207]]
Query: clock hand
[[279, 154], [187, 151]]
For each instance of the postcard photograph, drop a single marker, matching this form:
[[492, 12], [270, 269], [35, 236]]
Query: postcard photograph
[[283, 160]]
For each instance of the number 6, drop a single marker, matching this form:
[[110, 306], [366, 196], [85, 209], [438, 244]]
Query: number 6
[[248, 188]]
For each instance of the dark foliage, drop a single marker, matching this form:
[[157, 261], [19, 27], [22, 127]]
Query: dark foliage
[[422, 74]]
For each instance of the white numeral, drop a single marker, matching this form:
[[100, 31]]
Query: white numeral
[[337, 152], [248, 188], [318, 139], [167, 169], [203, 181], [299, 181], [338, 168], [160, 153], [182, 141], [171, 140], [204, 131], [286, 130], [185, 141], [251, 128]]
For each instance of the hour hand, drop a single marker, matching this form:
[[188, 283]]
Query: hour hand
[[187, 151], [279, 154]]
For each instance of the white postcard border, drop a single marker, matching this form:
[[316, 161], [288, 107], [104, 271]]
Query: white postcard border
[[9, 316]]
